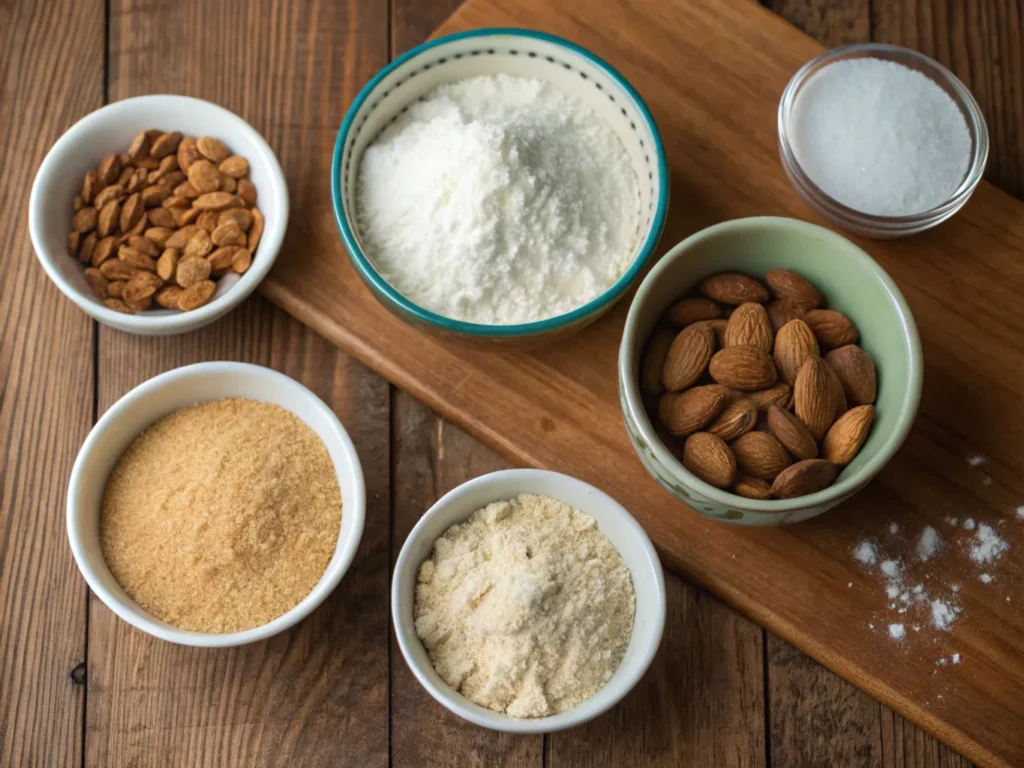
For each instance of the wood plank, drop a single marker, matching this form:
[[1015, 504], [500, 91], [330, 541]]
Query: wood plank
[[319, 692], [506, 398], [51, 74]]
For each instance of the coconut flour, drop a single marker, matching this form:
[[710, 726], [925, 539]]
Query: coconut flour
[[526, 608]]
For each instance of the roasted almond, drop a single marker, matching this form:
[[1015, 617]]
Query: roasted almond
[[136, 258], [155, 194], [87, 247], [131, 211], [109, 170], [85, 220], [228, 233], [208, 221], [168, 296], [832, 329], [221, 261], [140, 243], [227, 183], [98, 283], [761, 455], [175, 203], [856, 372], [256, 232], [785, 284], [158, 236], [688, 358], [804, 477], [141, 287], [116, 269], [196, 295], [188, 216], [118, 306], [167, 265], [792, 433], [752, 487], [186, 190], [78, 203], [814, 398], [737, 418], [161, 217], [139, 148], [90, 187], [710, 459], [116, 288], [74, 243], [108, 193], [138, 181], [241, 260], [686, 412], [191, 270], [165, 144], [247, 192], [733, 288], [182, 236], [198, 245], [187, 153], [104, 249], [687, 311], [749, 326], [654, 354], [794, 343], [215, 201], [743, 368], [204, 176], [212, 149], [241, 217], [108, 218], [235, 167], [848, 434]]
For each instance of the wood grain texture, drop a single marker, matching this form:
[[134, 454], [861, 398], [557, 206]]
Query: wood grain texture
[[539, 408], [51, 74], [317, 694]]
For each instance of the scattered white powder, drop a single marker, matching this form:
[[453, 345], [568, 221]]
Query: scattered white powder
[[988, 546], [942, 662], [956, 658], [955, 587], [892, 591], [896, 631], [526, 608], [929, 543], [985, 578], [986, 481], [893, 528], [849, 585], [880, 137], [919, 589], [891, 568], [943, 614], [866, 553], [1020, 512], [976, 459], [499, 200], [952, 520], [969, 524]]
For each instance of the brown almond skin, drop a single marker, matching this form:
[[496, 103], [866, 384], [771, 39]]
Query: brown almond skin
[[856, 372], [688, 357], [780, 394], [737, 418], [846, 437], [814, 398], [752, 487], [794, 343], [104, 249], [228, 233], [161, 217], [196, 295], [803, 478], [781, 311], [743, 368], [109, 170], [761, 455], [179, 238], [221, 261], [256, 231], [749, 326], [188, 153], [85, 220], [247, 192], [832, 329], [687, 311], [683, 413], [710, 459], [241, 261], [792, 433], [204, 176], [215, 201], [131, 211], [785, 284], [165, 144], [168, 296], [654, 355], [241, 217], [167, 265], [212, 149], [734, 289]]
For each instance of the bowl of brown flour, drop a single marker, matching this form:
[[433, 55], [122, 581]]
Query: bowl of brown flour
[[216, 504], [528, 601]]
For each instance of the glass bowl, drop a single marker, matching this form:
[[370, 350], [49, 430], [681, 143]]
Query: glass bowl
[[858, 222]]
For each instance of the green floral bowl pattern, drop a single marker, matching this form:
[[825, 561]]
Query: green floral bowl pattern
[[853, 284]]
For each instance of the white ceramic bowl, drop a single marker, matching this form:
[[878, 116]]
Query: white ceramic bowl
[[111, 129], [164, 394], [614, 521]]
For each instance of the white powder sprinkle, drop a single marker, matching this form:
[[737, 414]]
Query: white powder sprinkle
[[896, 631], [849, 585], [1020, 511], [943, 614], [956, 658], [955, 587], [918, 589], [985, 578], [866, 553], [942, 662], [893, 528], [986, 481], [952, 520], [929, 543], [976, 459], [891, 568], [988, 546], [969, 524], [892, 591]]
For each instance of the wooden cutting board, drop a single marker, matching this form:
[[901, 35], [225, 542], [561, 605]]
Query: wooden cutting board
[[712, 72]]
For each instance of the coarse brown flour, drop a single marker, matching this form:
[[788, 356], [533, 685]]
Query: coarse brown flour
[[526, 608]]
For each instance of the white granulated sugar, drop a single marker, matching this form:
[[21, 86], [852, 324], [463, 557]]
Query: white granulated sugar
[[942, 662], [969, 524], [943, 614], [976, 459], [896, 631], [892, 591], [526, 608], [956, 658], [893, 528], [955, 587], [866, 553], [499, 200], [988, 546], [929, 543], [891, 568], [918, 589], [985, 578], [880, 137], [952, 520]]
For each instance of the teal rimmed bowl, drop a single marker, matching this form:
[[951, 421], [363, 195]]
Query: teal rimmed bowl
[[851, 281], [523, 53]]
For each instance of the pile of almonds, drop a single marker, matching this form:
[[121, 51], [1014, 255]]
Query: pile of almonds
[[162, 221], [769, 389]]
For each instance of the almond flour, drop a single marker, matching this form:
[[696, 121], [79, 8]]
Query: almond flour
[[526, 608], [221, 516]]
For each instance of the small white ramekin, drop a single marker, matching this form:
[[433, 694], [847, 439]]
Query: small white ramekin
[[111, 129], [164, 394], [614, 521]]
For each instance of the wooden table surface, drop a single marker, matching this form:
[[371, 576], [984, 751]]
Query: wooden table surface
[[79, 687]]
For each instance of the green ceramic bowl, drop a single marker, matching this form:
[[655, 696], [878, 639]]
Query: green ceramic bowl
[[852, 283]]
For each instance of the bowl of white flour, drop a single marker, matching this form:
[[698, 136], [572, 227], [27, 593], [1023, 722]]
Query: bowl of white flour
[[528, 601], [499, 184]]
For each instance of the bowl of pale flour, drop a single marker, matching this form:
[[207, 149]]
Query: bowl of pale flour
[[499, 184], [528, 601]]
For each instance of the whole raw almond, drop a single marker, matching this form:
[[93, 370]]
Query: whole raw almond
[[785, 284], [127, 172], [168, 296], [215, 201], [204, 176], [752, 487], [688, 358], [832, 329], [686, 412], [256, 232], [794, 343], [761, 455], [710, 459], [737, 418], [792, 433], [187, 153], [848, 434], [691, 310], [804, 477], [856, 372], [212, 149], [104, 250], [241, 217], [743, 368], [167, 265], [196, 295], [174, 178], [85, 220], [241, 260], [131, 211], [161, 217], [780, 394], [165, 144], [654, 354], [717, 326], [781, 311], [247, 192], [734, 288], [182, 236], [814, 398], [208, 221], [192, 270], [221, 260], [749, 326], [109, 170], [98, 283], [228, 233]]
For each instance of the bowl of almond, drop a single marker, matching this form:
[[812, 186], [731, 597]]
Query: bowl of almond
[[156, 215], [769, 368]]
